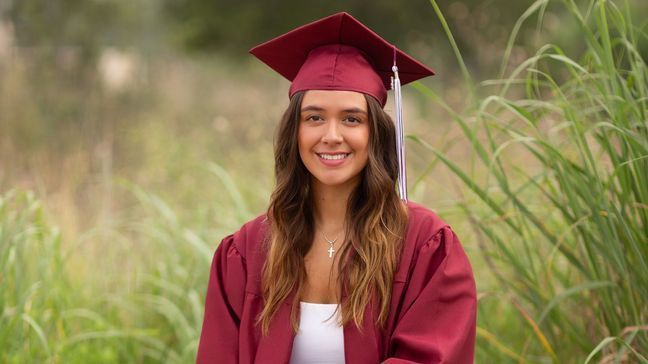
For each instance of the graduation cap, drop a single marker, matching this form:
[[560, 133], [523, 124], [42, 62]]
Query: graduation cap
[[340, 53]]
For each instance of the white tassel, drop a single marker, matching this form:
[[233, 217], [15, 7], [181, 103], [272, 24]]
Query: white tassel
[[400, 134]]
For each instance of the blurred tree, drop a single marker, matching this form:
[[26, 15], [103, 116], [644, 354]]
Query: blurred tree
[[83, 25], [58, 23], [481, 28], [59, 44], [238, 25], [233, 27]]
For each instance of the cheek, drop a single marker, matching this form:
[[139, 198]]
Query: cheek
[[304, 141], [361, 141], [301, 138], [308, 136]]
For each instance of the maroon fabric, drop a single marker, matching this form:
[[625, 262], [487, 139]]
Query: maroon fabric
[[307, 57], [339, 67], [432, 317]]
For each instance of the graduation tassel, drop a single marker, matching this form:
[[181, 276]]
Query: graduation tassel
[[400, 134]]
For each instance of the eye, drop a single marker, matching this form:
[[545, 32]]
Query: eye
[[314, 118], [352, 120]]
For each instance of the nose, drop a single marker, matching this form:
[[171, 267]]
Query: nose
[[333, 134]]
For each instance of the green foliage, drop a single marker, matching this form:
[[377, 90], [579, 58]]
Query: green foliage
[[236, 26], [77, 24], [555, 151], [56, 308], [565, 229], [30, 281]]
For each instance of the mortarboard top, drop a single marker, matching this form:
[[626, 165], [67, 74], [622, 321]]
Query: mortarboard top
[[338, 53]]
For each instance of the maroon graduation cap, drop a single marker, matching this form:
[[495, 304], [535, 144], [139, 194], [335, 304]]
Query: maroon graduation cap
[[340, 53]]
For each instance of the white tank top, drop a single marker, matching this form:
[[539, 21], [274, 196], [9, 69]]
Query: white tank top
[[319, 339]]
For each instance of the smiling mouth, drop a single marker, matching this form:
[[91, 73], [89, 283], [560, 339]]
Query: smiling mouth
[[333, 157]]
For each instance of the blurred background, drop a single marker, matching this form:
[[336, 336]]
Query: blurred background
[[134, 135]]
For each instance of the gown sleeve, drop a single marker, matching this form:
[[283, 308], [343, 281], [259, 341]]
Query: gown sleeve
[[439, 321], [223, 306]]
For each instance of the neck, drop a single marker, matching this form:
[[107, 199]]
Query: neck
[[330, 204]]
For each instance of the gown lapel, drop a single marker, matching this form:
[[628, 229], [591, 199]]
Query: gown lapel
[[276, 347]]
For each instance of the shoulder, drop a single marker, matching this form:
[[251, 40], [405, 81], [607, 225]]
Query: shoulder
[[423, 223], [250, 236], [428, 238]]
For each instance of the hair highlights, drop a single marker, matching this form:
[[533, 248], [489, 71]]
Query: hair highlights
[[376, 222]]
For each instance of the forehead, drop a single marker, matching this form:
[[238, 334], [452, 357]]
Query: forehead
[[334, 99]]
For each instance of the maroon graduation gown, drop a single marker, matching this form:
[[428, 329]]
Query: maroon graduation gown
[[431, 320]]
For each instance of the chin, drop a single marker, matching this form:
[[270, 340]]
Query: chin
[[335, 181]]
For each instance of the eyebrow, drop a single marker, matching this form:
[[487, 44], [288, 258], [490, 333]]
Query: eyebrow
[[356, 110]]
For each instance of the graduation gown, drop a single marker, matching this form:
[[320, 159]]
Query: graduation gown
[[431, 320]]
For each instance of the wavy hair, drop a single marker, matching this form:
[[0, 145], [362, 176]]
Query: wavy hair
[[376, 220]]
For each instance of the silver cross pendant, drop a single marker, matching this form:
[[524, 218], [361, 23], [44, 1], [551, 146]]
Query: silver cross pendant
[[331, 251]]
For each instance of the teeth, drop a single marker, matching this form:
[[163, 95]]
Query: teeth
[[332, 157]]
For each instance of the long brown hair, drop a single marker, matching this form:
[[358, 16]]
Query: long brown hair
[[376, 221]]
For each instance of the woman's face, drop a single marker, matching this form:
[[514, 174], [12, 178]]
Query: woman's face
[[333, 136]]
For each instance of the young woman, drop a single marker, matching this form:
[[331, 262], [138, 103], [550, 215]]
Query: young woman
[[340, 268]]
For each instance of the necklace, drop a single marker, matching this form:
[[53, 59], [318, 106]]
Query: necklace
[[331, 242]]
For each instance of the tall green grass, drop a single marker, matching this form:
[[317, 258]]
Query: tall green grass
[[46, 316], [31, 285], [132, 291], [564, 231]]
